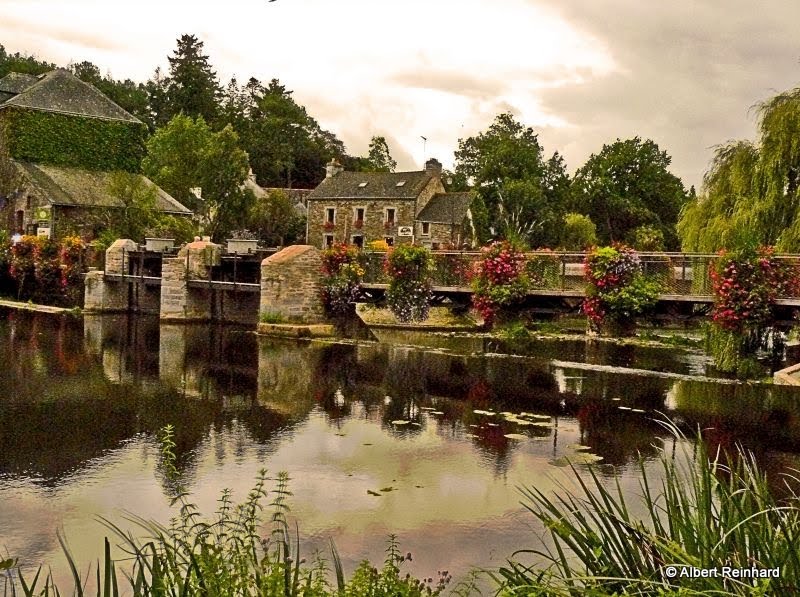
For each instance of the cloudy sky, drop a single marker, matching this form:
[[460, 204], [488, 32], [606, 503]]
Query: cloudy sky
[[581, 72]]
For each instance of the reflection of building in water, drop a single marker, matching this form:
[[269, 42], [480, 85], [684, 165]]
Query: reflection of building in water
[[288, 376]]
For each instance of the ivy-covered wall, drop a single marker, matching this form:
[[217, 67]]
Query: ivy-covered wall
[[64, 140]]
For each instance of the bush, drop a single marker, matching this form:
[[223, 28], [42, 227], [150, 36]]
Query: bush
[[500, 279], [342, 277], [410, 269], [47, 271], [746, 283], [646, 238], [617, 290], [578, 233]]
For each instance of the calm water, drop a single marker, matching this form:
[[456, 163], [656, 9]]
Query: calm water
[[81, 401]]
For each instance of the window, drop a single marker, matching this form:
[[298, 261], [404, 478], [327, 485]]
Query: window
[[358, 241], [389, 240], [330, 215], [401, 183], [390, 211], [359, 213], [327, 240], [19, 222], [426, 228]]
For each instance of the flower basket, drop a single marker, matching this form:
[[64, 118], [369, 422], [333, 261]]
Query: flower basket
[[389, 224], [329, 225], [358, 224]]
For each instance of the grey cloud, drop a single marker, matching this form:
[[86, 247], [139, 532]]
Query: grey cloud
[[689, 72], [64, 34], [448, 81]]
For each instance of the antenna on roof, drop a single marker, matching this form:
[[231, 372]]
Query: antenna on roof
[[424, 143]]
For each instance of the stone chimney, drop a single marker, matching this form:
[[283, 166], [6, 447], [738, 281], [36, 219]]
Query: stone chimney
[[333, 168], [433, 166]]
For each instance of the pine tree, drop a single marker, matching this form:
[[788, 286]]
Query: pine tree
[[193, 86]]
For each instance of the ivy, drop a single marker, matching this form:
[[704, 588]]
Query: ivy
[[67, 140]]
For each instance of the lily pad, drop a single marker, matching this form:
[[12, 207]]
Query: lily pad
[[515, 436], [577, 458], [578, 447], [369, 491], [387, 489], [436, 412], [484, 412], [400, 422], [638, 410], [624, 408]]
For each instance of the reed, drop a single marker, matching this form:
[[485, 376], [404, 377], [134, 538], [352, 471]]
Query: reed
[[707, 511]]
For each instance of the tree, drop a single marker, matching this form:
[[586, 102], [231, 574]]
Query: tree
[[193, 87], [628, 185], [524, 195], [751, 193], [275, 219], [379, 157], [20, 63], [579, 232], [130, 96], [287, 147], [187, 154]]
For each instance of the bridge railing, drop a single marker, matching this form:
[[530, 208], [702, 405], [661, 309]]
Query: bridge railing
[[679, 274]]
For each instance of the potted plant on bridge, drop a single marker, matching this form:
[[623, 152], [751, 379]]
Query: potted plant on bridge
[[617, 291]]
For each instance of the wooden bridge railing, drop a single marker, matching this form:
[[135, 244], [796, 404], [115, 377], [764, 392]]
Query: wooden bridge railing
[[680, 274]]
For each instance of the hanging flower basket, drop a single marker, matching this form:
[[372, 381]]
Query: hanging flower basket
[[358, 224], [329, 226]]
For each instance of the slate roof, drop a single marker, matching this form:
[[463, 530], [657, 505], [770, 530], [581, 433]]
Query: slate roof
[[17, 82], [380, 185], [446, 208], [84, 188], [61, 91], [298, 197]]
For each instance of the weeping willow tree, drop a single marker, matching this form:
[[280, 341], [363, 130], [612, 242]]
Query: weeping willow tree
[[751, 193]]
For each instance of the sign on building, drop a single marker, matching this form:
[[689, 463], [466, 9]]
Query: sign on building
[[43, 231], [405, 231]]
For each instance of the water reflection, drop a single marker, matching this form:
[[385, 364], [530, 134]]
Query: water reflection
[[448, 432]]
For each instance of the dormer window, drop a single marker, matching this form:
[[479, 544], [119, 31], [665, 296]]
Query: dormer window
[[401, 183]]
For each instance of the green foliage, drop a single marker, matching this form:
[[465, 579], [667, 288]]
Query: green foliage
[[646, 238], [130, 96], [342, 273], [617, 291], [21, 63], [703, 512], [187, 153], [271, 317], [67, 140], [628, 185], [751, 192], [192, 88], [275, 219], [578, 232], [379, 157], [500, 279], [410, 270], [524, 195]]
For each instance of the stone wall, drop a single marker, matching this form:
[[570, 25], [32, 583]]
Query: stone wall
[[291, 285], [101, 295], [441, 235], [178, 301], [374, 220]]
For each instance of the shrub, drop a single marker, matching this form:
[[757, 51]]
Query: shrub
[[617, 290], [342, 276], [578, 232], [500, 279], [47, 271], [746, 284], [646, 238], [410, 269]]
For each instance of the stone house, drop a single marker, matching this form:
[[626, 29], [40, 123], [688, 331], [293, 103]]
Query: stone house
[[61, 140], [360, 207]]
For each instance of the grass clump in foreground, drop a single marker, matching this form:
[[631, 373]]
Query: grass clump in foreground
[[221, 556], [702, 513]]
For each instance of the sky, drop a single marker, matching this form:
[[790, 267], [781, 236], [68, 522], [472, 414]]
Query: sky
[[582, 73]]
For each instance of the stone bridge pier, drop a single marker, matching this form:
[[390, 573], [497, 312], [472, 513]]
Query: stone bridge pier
[[179, 301], [291, 285]]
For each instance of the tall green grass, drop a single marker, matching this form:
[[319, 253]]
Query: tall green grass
[[702, 513]]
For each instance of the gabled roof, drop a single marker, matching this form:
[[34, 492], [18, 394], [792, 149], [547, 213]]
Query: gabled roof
[[446, 208], [85, 188], [61, 91], [380, 185], [15, 83]]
